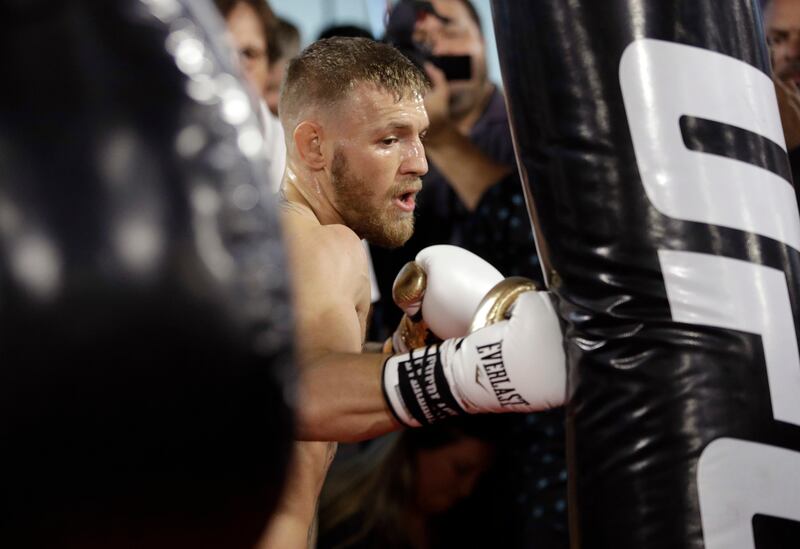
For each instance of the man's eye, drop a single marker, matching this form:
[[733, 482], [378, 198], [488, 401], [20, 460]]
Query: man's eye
[[251, 54], [389, 140], [778, 37]]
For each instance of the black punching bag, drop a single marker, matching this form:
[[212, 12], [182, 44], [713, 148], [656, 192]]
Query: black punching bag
[[649, 141], [145, 330]]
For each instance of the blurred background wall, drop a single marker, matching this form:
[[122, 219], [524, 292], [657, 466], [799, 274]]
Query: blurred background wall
[[312, 16]]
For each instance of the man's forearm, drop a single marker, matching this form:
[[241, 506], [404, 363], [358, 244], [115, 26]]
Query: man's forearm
[[469, 171], [287, 531], [341, 399]]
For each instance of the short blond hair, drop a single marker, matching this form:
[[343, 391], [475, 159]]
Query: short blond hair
[[328, 70]]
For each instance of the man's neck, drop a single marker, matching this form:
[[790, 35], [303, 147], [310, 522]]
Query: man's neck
[[302, 193]]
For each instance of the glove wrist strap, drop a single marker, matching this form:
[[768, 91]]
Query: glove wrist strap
[[416, 388]]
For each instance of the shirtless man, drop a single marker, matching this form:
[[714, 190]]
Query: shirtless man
[[352, 110], [353, 170]]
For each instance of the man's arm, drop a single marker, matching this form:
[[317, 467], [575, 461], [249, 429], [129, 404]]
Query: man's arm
[[293, 522], [513, 365], [468, 170], [340, 396]]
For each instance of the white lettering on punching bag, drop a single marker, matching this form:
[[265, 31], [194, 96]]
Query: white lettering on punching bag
[[661, 82]]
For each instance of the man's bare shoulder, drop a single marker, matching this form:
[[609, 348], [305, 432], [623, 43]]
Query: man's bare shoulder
[[330, 287], [333, 253], [330, 242]]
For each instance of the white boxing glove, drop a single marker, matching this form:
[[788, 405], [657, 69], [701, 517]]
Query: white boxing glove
[[443, 287], [515, 365]]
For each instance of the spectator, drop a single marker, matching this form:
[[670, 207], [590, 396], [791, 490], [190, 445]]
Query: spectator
[[287, 40], [782, 22], [251, 24], [403, 490]]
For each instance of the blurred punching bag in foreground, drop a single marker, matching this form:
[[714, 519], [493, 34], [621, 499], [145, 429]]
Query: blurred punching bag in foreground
[[145, 331], [649, 141]]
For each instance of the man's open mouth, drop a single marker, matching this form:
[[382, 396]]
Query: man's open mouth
[[406, 201]]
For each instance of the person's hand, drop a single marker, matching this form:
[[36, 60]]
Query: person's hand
[[439, 293], [513, 365], [789, 106], [437, 102]]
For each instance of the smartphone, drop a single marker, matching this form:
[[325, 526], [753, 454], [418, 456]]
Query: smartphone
[[454, 67]]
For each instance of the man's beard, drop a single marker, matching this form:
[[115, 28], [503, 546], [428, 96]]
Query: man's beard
[[463, 100], [386, 226], [790, 74]]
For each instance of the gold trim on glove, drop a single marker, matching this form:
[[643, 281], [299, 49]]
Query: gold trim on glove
[[409, 285], [496, 304]]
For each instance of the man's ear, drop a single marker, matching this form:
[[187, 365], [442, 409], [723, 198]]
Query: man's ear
[[308, 141]]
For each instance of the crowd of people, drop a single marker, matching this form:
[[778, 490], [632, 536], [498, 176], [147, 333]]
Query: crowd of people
[[446, 165]]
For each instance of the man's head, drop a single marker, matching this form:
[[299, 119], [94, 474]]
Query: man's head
[[252, 24], [457, 32], [353, 114], [782, 22]]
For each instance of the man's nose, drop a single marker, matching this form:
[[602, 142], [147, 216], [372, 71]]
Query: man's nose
[[793, 45], [415, 162]]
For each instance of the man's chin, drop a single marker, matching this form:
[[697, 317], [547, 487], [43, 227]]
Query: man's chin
[[387, 243], [791, 79], [391, 238], [460, 102]]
